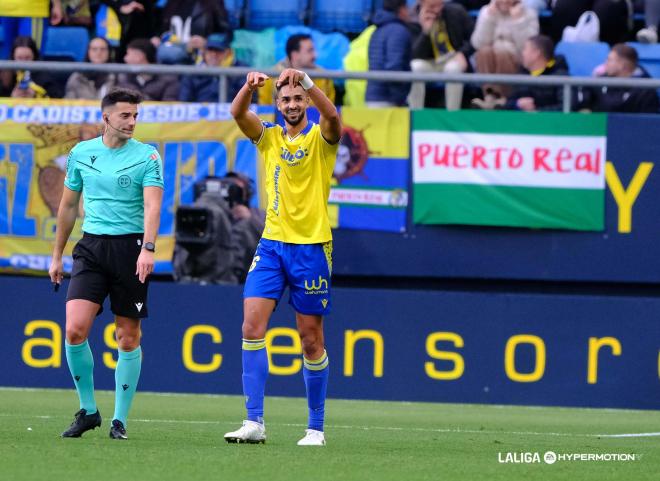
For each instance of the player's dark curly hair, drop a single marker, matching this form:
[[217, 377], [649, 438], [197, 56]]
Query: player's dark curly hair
[[121, 95]]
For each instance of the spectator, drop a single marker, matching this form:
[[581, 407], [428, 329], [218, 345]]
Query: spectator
[[153, 87], [622, 62], [26, 84], [76, 12], [137, 18], [442, 46], [502, 28], [189, 22], [615, 17], [230, 231], [247, 225], [649, 34], [390, 48], [300, 54], [204, 88], [92, 85], [26, 18], [538, 59]]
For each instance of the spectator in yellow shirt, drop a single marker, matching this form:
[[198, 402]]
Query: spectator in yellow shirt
[[28, 18]]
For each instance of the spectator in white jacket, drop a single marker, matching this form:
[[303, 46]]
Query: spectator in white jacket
[[503, 27]]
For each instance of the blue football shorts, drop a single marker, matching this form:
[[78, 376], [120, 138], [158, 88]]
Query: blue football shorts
[[305, 268]]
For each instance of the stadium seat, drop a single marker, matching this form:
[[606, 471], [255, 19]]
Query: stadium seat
[[262, 14], [583, 57], [379, 4], [350, 16], [649, 57], [65, 43], [235, 11]]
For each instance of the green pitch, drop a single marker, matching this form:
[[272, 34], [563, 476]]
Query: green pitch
[[179, 437]]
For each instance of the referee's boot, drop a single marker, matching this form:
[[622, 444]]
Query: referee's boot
[[82, 423], [250, 432], [117, 430]]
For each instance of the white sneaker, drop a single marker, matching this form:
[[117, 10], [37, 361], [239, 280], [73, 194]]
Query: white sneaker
[[250, 432], [647, 35], [312, 438]]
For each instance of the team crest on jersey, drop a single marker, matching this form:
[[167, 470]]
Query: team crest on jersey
[[124, 181], [294, 158]]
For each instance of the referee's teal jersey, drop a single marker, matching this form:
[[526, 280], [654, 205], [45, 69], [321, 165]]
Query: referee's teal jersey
[[112, 182]]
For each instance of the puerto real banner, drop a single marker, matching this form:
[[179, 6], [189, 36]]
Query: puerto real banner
[[194, 140], [542, 170]]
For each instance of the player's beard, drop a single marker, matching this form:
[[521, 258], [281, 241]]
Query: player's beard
[[294, 119]]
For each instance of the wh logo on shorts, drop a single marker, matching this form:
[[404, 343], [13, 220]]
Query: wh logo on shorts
[[314, 288]]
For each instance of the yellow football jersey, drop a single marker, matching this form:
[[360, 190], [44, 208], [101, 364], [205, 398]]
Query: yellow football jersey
[[298, 172]]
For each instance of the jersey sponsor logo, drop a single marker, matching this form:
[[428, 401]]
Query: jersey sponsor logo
[[124, 181], [139, 306], [311, 287], [276, 187], [293, 159]]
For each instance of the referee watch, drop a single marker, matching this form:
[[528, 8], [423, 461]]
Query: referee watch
[[149, 246]]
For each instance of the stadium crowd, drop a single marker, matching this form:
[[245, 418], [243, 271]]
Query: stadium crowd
[[454, 36]]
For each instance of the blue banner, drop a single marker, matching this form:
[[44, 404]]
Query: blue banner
[[393, 345]]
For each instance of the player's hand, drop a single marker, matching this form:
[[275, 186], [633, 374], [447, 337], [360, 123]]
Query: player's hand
[[290, 76], [56, 270], [145, 265], [256, 80]]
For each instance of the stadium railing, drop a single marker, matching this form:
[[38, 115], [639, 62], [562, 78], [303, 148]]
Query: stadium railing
[[566, 82]]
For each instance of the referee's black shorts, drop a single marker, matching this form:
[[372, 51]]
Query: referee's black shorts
[[106, 264]]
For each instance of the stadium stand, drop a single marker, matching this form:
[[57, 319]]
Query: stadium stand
[[583, 57], [235, 11], [260, 14], [649, 57], [65, 43], [350, 16]]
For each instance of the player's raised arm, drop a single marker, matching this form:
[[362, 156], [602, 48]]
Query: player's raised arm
[[247, 120], [330, 122]]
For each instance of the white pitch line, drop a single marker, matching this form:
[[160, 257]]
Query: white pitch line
[[387, 428]]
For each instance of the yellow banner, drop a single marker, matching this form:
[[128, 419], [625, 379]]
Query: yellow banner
[[194, 140]]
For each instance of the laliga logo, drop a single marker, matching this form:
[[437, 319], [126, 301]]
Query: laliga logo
[[297, 156], [315, 287]]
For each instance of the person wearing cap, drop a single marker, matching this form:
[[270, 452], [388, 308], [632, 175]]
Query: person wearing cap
[[204, 88], [153, 87]]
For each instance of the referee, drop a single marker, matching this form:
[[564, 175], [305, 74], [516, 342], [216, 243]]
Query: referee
[[121, 183]]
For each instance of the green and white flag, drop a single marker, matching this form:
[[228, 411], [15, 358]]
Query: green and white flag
[[514, 169]]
